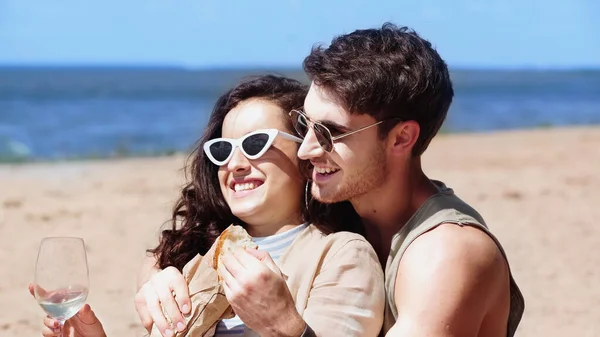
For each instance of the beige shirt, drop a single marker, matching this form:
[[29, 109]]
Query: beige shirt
[[337, 283]]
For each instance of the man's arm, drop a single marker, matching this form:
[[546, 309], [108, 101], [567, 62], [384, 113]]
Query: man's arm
[[148, 268], [448, 279]]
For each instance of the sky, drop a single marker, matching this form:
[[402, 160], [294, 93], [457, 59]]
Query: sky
[[280, 33]]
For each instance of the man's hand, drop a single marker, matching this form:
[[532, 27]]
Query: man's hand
[[258, 293], [156, 294]]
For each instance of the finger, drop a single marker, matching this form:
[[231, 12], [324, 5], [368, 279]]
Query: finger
[[233, 265], [51, 322], [229, 281], [51, 327], [250, 262], [47, 332], [40, 291], [142, 310], [31, 290], [88, 322], [169, 305], [155, 309], [266, 258], [259, 254], [178, 284], [244, 257], [86, 315], [227, 290]]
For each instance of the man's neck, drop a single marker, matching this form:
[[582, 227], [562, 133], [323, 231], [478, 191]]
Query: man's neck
[[387, 208]]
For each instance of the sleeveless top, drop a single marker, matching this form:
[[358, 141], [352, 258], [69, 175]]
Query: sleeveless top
[[442, 208]]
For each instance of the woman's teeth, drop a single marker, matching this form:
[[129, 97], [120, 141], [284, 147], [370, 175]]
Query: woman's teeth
[[244, 187], [325, 170]]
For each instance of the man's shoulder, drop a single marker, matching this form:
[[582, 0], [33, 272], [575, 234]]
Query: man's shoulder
[[452, 248], [449, 200], [454, 274]]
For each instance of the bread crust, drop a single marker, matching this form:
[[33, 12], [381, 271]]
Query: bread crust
[[243, 241], [220, 241]]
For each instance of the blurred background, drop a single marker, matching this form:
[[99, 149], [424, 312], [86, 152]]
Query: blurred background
[[89, 87], [94, 79]]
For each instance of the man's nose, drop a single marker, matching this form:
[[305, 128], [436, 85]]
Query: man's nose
[[310, 147]]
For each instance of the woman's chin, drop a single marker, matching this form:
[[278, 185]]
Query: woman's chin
[[247, 211]]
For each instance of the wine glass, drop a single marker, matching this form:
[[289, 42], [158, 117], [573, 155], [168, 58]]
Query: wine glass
[[61, 277]]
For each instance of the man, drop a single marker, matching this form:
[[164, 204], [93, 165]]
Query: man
[[377, 98]]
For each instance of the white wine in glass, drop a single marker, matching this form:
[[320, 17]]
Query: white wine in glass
[[61, 277]]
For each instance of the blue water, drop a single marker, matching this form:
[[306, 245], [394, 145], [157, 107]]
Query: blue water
[[56, 113]]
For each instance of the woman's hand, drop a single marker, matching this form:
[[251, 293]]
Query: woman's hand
[[257, 292], [83, 324]]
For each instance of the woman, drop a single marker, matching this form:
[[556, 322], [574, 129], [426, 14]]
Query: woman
[[307, 274]]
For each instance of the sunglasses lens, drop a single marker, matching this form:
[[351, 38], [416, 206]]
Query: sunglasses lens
[[301, 126], [220, 150], [300, 123], [254, 144], [323, 137]]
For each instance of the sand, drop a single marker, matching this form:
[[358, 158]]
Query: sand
[[537, 189]]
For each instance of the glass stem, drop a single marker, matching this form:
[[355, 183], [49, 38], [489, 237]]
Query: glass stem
[[61, 326]]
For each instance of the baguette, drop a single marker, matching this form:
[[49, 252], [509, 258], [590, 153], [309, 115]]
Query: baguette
[[233, 236]]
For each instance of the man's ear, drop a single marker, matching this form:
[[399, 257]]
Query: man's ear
[[403, 137]]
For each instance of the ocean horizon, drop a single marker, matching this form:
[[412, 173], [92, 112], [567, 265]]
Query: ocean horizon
[[62, 112]]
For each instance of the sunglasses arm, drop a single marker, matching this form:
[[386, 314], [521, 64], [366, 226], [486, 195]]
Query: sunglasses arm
[[290, 137]]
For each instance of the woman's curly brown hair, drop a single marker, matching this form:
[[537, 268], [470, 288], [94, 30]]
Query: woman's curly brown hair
[[201, 213]]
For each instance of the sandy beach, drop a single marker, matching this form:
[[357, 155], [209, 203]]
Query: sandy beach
[[537, 189]]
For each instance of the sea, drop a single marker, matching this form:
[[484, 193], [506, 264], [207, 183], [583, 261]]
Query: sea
[[67, 113]]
